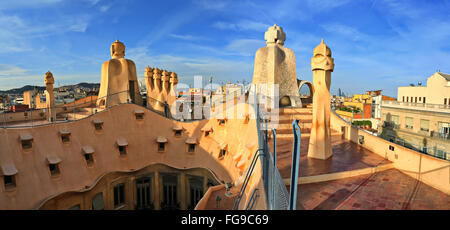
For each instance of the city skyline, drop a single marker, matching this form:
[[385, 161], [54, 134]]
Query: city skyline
[[390, 44]]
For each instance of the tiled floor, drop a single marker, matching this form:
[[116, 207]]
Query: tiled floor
[[346, 156], [390, 189]]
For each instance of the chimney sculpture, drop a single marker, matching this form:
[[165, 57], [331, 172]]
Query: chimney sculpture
[[50, 96], [320, 141]]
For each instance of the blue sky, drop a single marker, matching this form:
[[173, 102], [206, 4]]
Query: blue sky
[[376, 44]]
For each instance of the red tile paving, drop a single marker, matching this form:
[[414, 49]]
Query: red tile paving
[[346, 156], [399, 192]]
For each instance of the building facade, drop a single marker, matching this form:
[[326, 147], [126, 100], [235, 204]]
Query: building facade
[[437, 91], [420, 119]]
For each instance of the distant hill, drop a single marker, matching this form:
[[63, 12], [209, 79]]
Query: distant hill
[[41, 88], [21, 90]]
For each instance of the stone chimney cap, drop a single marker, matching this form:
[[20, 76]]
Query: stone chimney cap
[[275, 35]]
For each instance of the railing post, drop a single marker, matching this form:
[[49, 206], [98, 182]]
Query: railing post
[[295, 165], [274, 147], [247, 178], [31, 116], [274, 165]]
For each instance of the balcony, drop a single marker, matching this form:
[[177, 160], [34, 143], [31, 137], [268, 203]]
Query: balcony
[[443, 136], [441, 108]]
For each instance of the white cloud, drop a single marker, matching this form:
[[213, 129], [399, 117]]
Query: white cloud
[[323, 5], [6, 5], [187, 37], [222, 69], [346, 31], [246, 47], [93, 2], [242, 25], [105, 8], [169, 24], [79, 24], [17, 34], [212, 4], [402, 9], [10, 70]]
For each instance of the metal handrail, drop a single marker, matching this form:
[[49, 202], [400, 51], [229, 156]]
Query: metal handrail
[[252, 201], [247, 178], [295, 164], [274, 162]]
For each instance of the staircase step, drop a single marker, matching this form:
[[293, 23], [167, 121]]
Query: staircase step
[[289, 121], [294, 110], [289, 125], [284, 131], [304, 135]]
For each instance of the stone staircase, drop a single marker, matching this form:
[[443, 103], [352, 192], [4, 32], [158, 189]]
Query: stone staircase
[[285, 136], [348, 160], [288, 115]]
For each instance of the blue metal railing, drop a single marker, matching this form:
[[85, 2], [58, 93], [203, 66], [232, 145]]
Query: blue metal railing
[[295, 165], [252, 200], [274, 132], [247, 178]]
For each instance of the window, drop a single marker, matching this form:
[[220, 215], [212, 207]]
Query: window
[[122, 146], [10, 182], [97, 202], [191, 148], [54, 169], [170, 193], [27, 144], [445, 101], [222, 153], [123, 150], [424, 125], [403, 99], [409, 122], [444, 130], [178, 133], [26, 141], [424, 99], [65, 138], [143, 193], [119, 195], [89, 159], [161, 147], [196, 191], [98, 126], [415, 100], [139, 116], [222, 122], [395, 120]]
